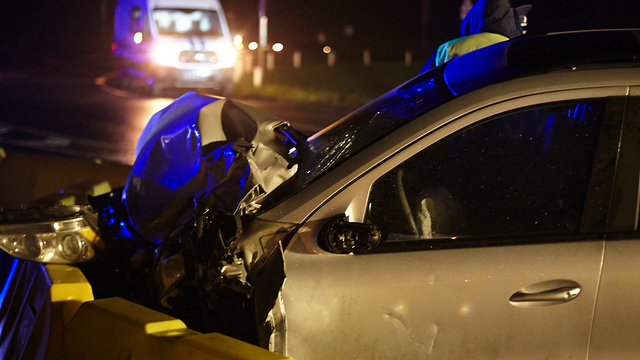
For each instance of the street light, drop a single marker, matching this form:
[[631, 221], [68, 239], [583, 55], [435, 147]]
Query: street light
[[263, 21], [238, 42]]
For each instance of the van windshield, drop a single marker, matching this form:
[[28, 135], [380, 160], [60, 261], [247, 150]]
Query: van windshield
[[190, 22]]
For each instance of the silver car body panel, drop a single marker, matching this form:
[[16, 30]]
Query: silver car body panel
[[435, 304], [616, 316], [447, 304]]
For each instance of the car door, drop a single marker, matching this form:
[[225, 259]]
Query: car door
[[616, 326], [491, 241]]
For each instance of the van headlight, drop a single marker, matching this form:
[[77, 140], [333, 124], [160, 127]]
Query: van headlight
[[226, 56], [60, 235], [164, 54]]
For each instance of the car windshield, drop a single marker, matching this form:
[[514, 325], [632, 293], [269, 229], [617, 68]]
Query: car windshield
[[370, 123], [187, 22]]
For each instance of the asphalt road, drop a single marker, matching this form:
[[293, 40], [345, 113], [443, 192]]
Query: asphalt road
[[73, 106]]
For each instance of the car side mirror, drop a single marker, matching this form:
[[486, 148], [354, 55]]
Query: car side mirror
[[343, 237]]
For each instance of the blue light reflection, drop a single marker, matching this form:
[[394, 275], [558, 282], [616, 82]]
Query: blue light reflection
[[7, 284]]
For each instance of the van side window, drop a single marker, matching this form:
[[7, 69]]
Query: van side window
[[522, 172], [134, 20]]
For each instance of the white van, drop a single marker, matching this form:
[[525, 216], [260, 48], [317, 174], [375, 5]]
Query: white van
[[173, 43]]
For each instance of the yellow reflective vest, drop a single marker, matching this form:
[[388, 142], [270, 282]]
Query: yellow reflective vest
[[456, 47]]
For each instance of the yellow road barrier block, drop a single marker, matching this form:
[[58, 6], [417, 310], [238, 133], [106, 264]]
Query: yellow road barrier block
[[115, 328], [69, 288]]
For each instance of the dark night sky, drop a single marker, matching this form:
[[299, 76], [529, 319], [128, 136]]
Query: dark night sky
[[384, 26], [387, 24], [396, 26]]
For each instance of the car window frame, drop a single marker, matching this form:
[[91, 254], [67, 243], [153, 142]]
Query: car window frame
[[593, 220], [475, 149], [624, 217], [354, 196]]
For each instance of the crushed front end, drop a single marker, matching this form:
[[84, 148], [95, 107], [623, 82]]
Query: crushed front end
[[186, 238]]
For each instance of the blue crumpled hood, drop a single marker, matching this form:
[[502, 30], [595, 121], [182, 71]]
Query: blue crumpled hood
[[174, 170]]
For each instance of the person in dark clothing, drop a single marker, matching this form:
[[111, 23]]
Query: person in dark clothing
[[487, 23]]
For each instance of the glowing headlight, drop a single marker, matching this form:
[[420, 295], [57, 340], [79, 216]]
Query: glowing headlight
[[164, 54], [137, 37], [56, 235], [226, 56]]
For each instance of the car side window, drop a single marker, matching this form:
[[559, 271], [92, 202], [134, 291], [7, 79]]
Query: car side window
[[522, 172], [134, 20]]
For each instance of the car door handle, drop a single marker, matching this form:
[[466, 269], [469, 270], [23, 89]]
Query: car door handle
[[559, 294], [546, 293]]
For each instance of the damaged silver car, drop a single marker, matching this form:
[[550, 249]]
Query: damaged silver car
[[487, 208]]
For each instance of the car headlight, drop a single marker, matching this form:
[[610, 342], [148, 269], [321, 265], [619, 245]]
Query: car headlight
[[60, 235]]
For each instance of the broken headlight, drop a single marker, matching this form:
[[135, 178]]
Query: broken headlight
[[61, 235]]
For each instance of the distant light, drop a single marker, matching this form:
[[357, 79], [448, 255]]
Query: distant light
[[253, 45], [262, 31], [277, 47], [326, 49], [322, 37], [137, 37], [349, 30], [114, 46], [238, 42]]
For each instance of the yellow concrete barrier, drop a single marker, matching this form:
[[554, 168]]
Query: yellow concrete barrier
[[69, 288], [115, 328]]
